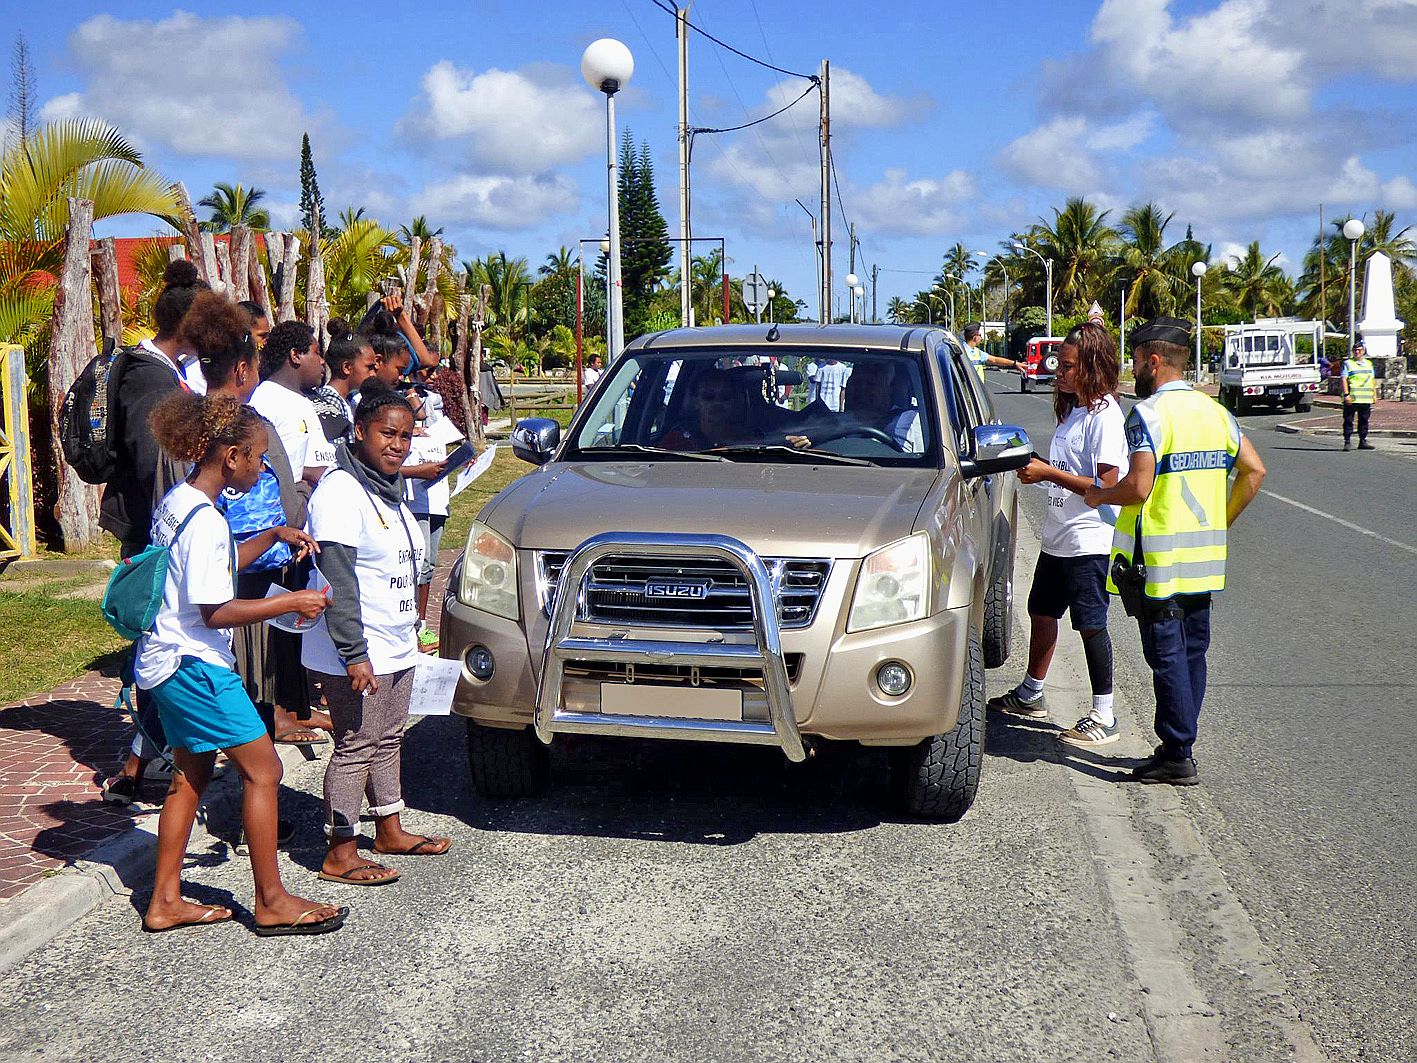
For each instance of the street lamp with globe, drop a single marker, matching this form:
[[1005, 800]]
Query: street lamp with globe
[[607, 65], [859, 292], [851, 281], [1353, 230], [1198, 269]]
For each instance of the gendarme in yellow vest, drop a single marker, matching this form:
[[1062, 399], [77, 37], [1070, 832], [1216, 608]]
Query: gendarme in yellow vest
[[1183, 521], [1362, 387]]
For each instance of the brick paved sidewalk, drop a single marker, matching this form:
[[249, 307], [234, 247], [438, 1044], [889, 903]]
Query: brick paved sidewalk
[[55, 751]]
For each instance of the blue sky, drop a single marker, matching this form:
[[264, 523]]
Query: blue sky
[[953, 121]]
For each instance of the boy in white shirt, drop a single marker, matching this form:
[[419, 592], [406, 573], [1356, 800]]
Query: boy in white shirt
[[291, 364]]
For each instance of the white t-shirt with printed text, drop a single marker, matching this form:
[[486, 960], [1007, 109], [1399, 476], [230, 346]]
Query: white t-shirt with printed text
[[1085, 440], [389, 550], [198, 574], [296, 421]]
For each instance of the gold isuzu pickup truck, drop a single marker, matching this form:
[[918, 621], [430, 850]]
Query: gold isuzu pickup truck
[[772, 535]]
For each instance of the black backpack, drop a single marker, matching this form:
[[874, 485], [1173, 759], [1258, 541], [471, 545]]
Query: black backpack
[[88, 420]]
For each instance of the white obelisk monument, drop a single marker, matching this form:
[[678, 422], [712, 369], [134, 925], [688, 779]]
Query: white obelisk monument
[[1380, 326]]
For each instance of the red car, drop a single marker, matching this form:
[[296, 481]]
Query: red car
[[1041, 362]]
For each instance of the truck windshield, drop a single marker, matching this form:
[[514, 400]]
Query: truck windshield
[[869, 405]]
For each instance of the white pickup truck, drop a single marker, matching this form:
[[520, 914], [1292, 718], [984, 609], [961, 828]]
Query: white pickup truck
[[1273, 361]]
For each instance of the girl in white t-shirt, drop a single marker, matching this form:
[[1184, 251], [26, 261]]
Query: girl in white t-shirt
[[428, 495], [1089, 447], [364, 648], [185, 661]]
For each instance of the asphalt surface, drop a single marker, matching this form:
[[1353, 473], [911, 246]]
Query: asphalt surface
[[684, 902], [1309, 733]]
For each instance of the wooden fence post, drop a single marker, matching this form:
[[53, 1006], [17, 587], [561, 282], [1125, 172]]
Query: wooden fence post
[[415, 251], [192, 233], [256, 279], [71, 346], [16, 470], [176, 252], [110, 300], [239, 274], [317, 310]]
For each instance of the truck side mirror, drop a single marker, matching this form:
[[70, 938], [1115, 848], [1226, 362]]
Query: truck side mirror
[[997, 448], [535, 439]]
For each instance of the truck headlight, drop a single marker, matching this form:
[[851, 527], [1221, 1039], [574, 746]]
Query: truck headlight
[[489, 573], [894, 585]]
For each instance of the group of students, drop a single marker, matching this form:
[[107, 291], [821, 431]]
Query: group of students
[[280, 479]]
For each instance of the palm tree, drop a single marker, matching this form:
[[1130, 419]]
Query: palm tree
[[706, 289], [1081, 245], [84, 158], [558, 263], [234, 205], [356, 260], [899, 310], [1258, 287], [510, 281], [1156, 273], [420, 228]]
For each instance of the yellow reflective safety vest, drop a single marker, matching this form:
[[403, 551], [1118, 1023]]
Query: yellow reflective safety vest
[[1362, 386], [1183, 521], [979, 357]]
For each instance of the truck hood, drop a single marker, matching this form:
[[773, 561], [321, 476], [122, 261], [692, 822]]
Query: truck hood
[[833, 511]]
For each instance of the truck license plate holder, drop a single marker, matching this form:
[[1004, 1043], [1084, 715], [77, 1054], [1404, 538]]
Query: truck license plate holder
[[671, 702]]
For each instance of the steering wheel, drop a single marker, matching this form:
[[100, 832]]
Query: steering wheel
[[860, 430]]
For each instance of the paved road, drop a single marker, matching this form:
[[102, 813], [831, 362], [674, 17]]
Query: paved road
[[1309, 738], [678, 902]]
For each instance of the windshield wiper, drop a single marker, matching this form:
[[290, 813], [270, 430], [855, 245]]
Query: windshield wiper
[[813, 456], [658, 452]]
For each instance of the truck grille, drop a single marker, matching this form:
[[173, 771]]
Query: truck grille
[[685, 592]]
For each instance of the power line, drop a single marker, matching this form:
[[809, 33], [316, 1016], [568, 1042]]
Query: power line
[[663, 6], [759, 121]]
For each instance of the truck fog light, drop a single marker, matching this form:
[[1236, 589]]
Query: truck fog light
[[893, 678], [479, 662]]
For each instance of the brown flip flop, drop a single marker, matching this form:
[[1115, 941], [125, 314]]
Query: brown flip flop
[[418, 848], [344, 876]]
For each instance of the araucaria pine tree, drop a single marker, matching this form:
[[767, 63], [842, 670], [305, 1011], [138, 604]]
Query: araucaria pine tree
[[645, 251], [312, 204]]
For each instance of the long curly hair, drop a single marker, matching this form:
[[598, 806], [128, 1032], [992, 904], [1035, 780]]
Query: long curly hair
[[1096, 375], [194, 427], [219, 333]]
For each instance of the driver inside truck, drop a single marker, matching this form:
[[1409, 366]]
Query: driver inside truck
[[714, 415], [875, 399]]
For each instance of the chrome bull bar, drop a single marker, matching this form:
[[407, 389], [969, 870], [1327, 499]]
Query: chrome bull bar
[[766, 652]]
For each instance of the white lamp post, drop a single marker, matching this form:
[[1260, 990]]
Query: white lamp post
[[859, 291], [607, 65], [772, 294], [1048, 273], [1353, 230], [1198, 271], [851, 281], [1003, 310]]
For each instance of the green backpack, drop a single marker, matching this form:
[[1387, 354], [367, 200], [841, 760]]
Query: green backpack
[[136, 587]]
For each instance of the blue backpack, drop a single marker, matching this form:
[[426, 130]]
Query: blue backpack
[[136, 587]]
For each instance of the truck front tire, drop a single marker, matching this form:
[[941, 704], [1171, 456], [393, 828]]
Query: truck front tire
[[998, 618], [507, 763], [938, 778]]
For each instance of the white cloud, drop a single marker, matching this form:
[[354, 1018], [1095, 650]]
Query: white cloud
[[855, 103], [497, 202], [898, 205], [1063, 153], [513, 121], [1400, 194], [195, 85]]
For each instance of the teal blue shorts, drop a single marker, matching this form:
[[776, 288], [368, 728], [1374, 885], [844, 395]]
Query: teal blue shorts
[[204, 708]]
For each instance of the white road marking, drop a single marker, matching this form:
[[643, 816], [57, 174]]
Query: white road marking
[[1339, 520]]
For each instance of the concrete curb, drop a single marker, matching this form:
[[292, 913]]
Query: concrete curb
[[117, 868], [60, 567], [1295, 428]]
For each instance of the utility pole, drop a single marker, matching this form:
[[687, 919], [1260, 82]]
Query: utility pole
[[875, 272], [826, 150], [681, 28], [851, 236], [1323, 255]]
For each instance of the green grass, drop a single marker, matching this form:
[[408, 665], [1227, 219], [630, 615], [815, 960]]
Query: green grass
[[46, 640]]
